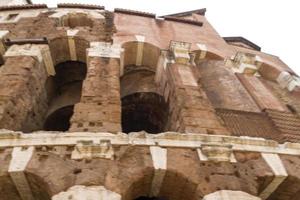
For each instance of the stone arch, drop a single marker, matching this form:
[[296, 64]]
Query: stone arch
[[207, 54], [66, 48], [169, 189], [269, 71], [143, 106], [140, 54], [69, 57], [73, 20], [77, 17]]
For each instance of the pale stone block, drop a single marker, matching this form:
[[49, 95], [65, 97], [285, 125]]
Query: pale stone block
[[286, 80], [216, 153], [72, 47], [62, 13], [293, 84], [168, 139], [72, 32], [258, 61], [80, 192], [245, 63], [140, 49], [159, 158], [105, 50], [245, 68], [89, 150], [203, 50], [47, 58], [9, 135], [180, 52], [140, 38], [20, 159], [275, 163], [39, 51], [230, 195]]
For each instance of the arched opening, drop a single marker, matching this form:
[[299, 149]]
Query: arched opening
[[144, 111], [59, 120], [143, 106], [64, 91], [174, 185]]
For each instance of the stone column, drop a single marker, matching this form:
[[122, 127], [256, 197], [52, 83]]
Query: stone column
[[80, 192], [20, 158], [100, 107], [159, 158], [230, 195], [190, 109], [23, 99]]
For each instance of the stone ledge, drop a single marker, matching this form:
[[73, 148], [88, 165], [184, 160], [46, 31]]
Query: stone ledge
[[168, 139], [242, 40]]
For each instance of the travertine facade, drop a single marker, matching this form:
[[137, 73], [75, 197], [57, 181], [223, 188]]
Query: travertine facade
[[126, 105]]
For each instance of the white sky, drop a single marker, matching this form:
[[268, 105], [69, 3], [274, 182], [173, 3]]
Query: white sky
[[271, 24]]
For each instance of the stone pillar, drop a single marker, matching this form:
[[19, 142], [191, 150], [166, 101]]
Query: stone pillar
[[280, 173], [23, 98], [20, 158], [100, 107], [230, 195], [159, 158], [80, 192], [190, 109]]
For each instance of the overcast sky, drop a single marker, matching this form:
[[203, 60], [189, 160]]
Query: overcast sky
[[271, 24]]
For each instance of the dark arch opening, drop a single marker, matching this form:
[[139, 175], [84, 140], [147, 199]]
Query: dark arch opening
[[64, 91], [144, 111], [59, 120]]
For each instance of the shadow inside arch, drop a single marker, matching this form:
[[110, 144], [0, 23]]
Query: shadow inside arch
[[39, 188], [175, 186]]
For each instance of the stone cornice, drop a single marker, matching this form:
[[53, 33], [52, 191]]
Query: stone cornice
[[134, 12], [201, 11], [82, 6], [10, 139]]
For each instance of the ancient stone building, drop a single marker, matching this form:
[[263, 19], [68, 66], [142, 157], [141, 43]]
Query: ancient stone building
[[127, 105]]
